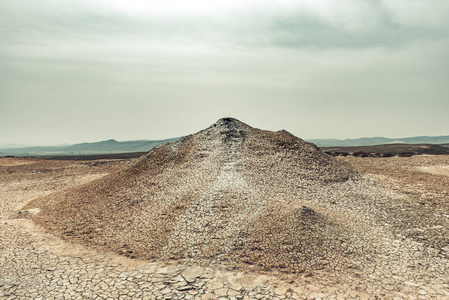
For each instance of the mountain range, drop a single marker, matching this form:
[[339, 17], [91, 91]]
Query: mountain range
[[371, 141], [113, 146], [109, 146]]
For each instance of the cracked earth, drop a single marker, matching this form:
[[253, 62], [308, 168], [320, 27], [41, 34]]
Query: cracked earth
[[405, 209]]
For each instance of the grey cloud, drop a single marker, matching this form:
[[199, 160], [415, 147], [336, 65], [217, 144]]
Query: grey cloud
[[377, 27], [42, 22], [80, 73]]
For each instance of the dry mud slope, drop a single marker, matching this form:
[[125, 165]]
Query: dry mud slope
[[234, 196]]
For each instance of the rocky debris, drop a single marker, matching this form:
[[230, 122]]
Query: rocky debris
[[31, 211], [190, 274]]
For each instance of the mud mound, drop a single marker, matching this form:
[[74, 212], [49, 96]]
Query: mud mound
[[230, 194]]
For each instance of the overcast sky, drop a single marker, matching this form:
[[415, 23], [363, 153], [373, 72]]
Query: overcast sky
[[88, 70]]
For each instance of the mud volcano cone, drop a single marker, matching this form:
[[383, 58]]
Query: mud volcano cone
[[230, 194]]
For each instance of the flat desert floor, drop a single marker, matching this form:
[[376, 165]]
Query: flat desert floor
[[37, 265]]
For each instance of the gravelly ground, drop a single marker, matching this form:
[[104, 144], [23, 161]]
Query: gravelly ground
[[411, 227]]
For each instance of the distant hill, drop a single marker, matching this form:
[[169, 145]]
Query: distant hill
[[103, 147], [381, 141], [113, 146], [391, 149]]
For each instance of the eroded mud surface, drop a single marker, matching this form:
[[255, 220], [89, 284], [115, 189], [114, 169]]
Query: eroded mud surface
[[411, 227]]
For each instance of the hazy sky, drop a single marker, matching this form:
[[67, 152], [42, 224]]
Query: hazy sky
[[87, 70]]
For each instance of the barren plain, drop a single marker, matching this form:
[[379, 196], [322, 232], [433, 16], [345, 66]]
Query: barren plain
[[399, 240]]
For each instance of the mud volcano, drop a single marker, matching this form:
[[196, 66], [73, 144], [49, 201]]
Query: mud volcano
[[231, 195]]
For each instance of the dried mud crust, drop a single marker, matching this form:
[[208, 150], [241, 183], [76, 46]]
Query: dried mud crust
[[36, 265], [239, 197], [421, 213], [25, 178], [205, 199], [33, 264]]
